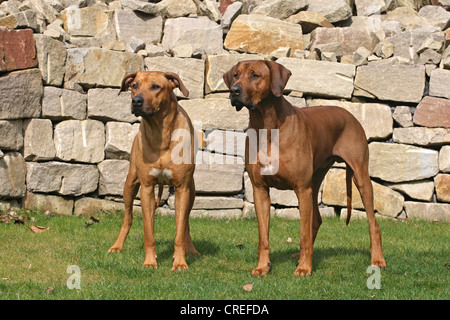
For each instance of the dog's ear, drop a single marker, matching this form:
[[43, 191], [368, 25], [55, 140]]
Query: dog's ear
[[228, 76], [173, 77], [279, 77], [126, 82]]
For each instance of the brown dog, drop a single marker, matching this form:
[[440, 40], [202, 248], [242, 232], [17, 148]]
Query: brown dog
[[152, 160], [308, 142]]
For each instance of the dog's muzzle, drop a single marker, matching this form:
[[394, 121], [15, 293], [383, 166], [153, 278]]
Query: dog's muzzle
[[236, 98]]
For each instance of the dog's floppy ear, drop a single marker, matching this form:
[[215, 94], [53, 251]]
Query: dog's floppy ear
[[228, 76], [279, 76], [126, 82], [178, 83]]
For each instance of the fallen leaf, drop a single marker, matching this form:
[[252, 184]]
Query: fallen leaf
[[91, 221], [38, 229], [50, 289], [240, 246], [248, 287], [289, 240]]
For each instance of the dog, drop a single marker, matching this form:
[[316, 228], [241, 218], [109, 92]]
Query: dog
[[152, 161], [308, 142]]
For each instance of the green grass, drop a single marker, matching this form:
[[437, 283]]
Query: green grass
[[34, 266]]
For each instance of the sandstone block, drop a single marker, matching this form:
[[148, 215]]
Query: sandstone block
[[81, 141], [399, 162], [105, 104], [375, 118], [226, 142], [11, 133], [218, 173], [261, 34], [418, 190], [12, 174], [191, 72], [61, 178], [442, 182], [333, 10], [89, 206], [309, 21], [440, 83], [119, 139], [444, 159], [38, 140], [113, 174], [130, 23], [63, 104], [386, 201], [405, 83], [320, 78], [20, 20], [422, 136], [51, 54], [215, 113], [92, 67], [279, 9], [211, 202], [17, 49], [20, 94], [370, 7], [204, 35], [428, 211], [433, 112], [46, 202], [350, 38]]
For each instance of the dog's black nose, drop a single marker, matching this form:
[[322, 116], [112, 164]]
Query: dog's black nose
[[137, 101], [236, 90]]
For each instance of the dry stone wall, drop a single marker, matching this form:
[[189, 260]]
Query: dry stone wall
[[65, 134]]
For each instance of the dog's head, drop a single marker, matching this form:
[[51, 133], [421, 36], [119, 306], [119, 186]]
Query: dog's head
[[250, 82], [151, 91]]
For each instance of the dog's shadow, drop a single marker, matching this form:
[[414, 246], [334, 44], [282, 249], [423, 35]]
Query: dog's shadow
[[320, 255], [205, 248]]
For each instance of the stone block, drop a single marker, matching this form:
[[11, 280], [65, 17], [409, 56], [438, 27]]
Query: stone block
[[105, 104], [262, 34], [113, 174], [119, 139], [399, 162], [17, 50], [422, 136], [129, 23], [51, 203], [11, 133], [81, 141], [20, 94], [63, 104], [61, 178], [12, 174], [428, 211], [442, 182], [38, 140], [440, 83], [320, 78], [51, 54]]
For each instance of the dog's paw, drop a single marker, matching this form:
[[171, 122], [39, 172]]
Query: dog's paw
[[261, 271], [115, 249], [152, 265], [179, 266], [301, 272]]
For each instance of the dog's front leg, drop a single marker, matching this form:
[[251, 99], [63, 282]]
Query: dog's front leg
[[148, 216], [262, 207], [305, 199], [182, 206]]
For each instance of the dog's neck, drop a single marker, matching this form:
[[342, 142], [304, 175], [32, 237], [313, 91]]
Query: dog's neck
[[270, 113], [156, 130]]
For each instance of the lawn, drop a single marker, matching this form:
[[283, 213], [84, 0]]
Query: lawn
[[35, 265]]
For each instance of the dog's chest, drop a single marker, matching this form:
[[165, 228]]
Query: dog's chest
[[163, 176]]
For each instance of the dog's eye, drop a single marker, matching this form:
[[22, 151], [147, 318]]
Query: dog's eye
[[155, 87], [255, 76], [134, 86], [235, 76]]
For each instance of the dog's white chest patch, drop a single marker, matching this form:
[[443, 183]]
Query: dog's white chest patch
[[164, 176]]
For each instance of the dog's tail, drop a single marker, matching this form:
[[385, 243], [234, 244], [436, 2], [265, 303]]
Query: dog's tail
[[160, 191], [348, 182]]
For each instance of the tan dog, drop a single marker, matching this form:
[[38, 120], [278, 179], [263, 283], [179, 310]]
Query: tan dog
[[308, 142], [151, 161]]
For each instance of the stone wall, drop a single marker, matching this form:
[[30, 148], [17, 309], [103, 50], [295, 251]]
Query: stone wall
[[66, 134]]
